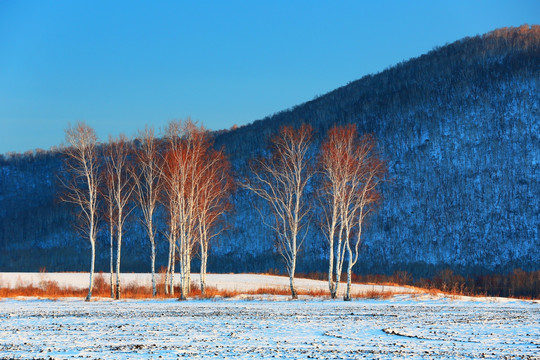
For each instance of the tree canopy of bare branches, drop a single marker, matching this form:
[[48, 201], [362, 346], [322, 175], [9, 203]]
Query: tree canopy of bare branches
[[120, 191], [147, 180], [213, 191], [281, 181], [352, 171], [182, 173]]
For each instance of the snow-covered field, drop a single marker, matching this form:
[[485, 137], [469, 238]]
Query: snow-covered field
[[240, 282], [406, 326], [397, 328]]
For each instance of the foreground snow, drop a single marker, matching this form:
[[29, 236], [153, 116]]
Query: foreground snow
[[402, 327]]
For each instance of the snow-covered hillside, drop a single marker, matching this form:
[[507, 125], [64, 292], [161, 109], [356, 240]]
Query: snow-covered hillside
[[459, 127]]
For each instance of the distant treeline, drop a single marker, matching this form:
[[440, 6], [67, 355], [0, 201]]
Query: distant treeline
[[517, 284]]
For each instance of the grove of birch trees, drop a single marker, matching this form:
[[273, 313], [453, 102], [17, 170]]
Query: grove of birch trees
[[185, 177]]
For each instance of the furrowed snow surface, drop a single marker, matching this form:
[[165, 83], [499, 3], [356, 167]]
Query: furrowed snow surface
[[405, 326]]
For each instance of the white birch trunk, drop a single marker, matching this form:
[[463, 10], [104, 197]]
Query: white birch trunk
[[292, 270], [91, 285], [118, 253], [183, 269], [331, 271], [111, 262], [204, 257], [173, 263], [188, 270], [203, 276], [331, 236], [339, 262], [347, 297], [168, 272], [154, 291]]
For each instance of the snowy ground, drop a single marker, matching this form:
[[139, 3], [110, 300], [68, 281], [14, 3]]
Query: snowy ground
[[403, 327], [412, 325]]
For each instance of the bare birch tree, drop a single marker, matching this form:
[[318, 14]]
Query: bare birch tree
[[108, 195], [281, 181], [172, 233], [338, 168], [146, 175], [182, 173], [351, 171], [170, 174], [122, 189], [82, 187], [213, 191], [371, 173], [193, 151]]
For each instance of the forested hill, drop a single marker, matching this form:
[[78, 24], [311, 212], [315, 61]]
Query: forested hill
[[464, 72], [459, 127]]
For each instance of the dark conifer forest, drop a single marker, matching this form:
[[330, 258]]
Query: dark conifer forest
[[459, 129]]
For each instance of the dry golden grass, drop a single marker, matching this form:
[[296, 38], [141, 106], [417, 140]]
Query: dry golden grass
[[375, 294], [212, 292], [51, 290]]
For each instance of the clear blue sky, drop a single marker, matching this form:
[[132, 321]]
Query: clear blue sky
[[119, 65]]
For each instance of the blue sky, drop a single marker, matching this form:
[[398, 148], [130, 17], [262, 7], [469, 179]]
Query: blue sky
[[119, 65]]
